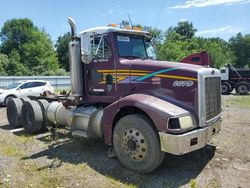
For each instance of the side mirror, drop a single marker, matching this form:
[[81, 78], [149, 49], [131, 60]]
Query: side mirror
[[86, 54]]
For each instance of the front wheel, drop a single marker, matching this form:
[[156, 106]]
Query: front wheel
[[226, 88], [137, 144]]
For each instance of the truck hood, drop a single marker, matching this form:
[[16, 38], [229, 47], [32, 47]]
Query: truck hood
[[174, 82], [153, 64]]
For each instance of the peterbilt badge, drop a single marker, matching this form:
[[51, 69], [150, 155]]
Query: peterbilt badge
[[183, 83]]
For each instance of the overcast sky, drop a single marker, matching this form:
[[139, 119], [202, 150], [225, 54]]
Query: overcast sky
[[212, 18]]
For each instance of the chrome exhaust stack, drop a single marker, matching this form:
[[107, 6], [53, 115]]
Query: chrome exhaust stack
[[76, 65], [72, 26]]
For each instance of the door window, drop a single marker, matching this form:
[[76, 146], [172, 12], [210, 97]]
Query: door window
[[26, 85], [100, 48]]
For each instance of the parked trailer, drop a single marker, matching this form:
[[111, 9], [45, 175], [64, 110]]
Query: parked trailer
[[141, 107]]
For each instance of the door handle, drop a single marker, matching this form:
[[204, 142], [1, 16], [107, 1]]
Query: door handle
[[109, 82], [109, 79]]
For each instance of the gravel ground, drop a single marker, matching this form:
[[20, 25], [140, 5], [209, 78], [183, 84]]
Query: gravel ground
[[54, 159]]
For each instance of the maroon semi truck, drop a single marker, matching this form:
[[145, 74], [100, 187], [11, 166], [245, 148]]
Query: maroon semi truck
[[141, 107], [202, 58]]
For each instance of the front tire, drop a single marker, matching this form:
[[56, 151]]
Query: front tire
[[137, 144], [226, 88]]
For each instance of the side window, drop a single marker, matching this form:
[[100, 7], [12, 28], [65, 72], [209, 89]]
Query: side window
[[223, 71], [150, 50], [100, 48], [26, 85], [38, 84], [195, 59]]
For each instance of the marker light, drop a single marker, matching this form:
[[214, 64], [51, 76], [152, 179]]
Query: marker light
[[112, 25], [137, 28]]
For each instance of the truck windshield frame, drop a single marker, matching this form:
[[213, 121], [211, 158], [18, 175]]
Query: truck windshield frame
[[131, 46]]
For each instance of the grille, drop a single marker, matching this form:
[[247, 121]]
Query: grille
[[213, 97]]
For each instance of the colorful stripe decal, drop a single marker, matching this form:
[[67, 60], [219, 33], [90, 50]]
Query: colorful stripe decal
[[177, 77], [142, 75], [155, 73]]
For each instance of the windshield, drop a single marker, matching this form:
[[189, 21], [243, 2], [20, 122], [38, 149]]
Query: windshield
[[13, 86], [131, 46]]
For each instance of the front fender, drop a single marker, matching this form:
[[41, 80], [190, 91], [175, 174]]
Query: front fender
[[157, 109]]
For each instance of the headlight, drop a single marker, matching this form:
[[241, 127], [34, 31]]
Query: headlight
[[184, 122]]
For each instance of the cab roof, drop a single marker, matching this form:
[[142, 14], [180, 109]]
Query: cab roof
[[107, 29]]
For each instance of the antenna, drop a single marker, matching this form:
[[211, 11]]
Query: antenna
[[159, 14], [130, 21]]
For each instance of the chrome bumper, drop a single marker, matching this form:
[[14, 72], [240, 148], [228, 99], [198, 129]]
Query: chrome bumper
[[190, 141]]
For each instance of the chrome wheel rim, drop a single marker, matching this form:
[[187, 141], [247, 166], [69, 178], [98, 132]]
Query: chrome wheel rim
[[134, 144]]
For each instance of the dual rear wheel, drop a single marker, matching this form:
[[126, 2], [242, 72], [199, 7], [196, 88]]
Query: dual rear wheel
[[27, 113], [241, 88]]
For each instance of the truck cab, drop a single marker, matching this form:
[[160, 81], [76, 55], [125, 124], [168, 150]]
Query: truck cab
[[107, 69], [224, 73]]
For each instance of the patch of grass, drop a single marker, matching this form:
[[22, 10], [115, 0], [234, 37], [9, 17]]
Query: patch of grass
[[51, 181], [60, 90], [243, 101], [119, 183], [214, 183], [9, 150], [25, 138], [38, 177], [193, 183]]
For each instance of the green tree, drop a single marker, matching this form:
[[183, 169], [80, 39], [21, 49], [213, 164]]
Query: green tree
[[240, 46], [218, 49], [175, 47], [14, 67], [33, 48], [62, 48], [3, 62], [185, 28], [15, 33]]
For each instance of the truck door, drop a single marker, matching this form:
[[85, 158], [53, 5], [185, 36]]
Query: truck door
[[224, 73], [100, 73]]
